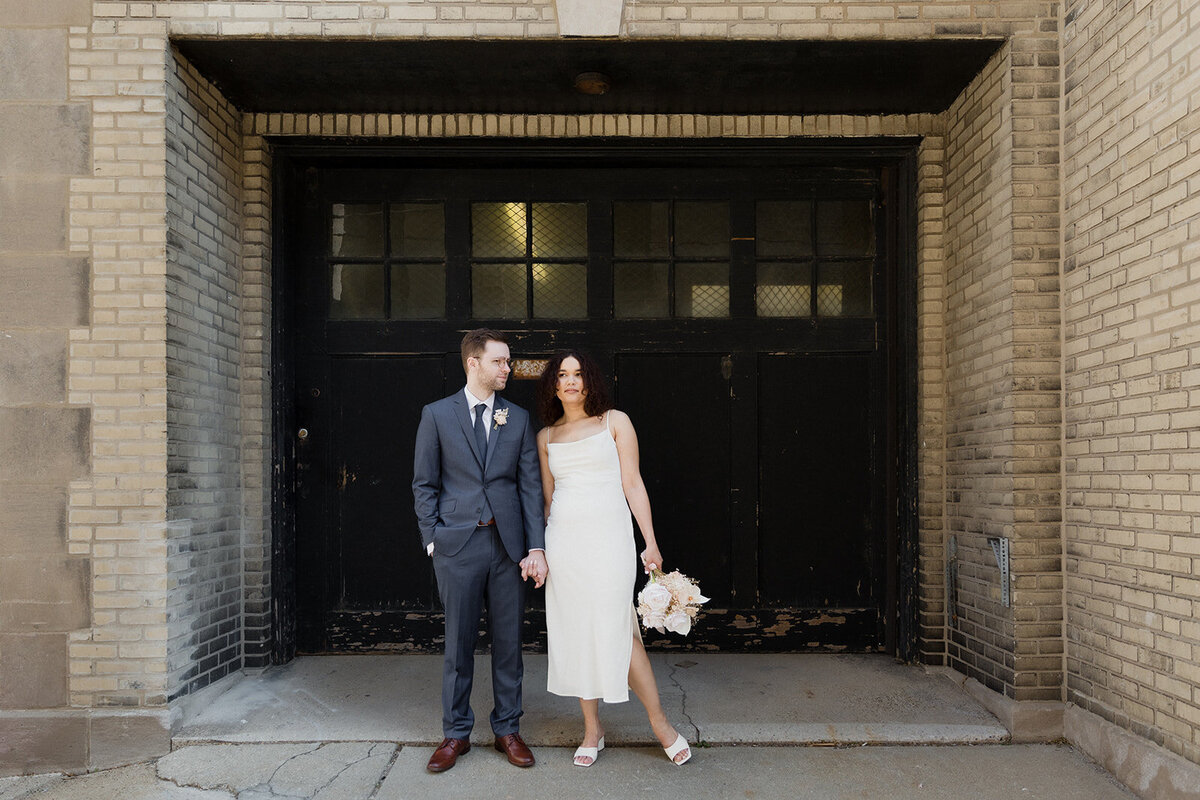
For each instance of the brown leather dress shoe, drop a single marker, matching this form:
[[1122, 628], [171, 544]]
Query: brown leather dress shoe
[[446, 754], [516, 750]]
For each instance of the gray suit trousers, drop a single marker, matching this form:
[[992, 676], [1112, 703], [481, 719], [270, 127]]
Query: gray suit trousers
[[481, 571]]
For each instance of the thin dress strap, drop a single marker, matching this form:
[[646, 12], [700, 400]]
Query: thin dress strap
[[606, 422]]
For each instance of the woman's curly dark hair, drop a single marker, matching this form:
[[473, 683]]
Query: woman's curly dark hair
[[596, 402]]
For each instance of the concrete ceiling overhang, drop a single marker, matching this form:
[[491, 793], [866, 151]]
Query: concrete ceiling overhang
[[537, 76]]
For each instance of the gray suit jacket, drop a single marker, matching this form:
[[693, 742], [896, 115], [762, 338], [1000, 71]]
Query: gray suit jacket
[[450, 480]]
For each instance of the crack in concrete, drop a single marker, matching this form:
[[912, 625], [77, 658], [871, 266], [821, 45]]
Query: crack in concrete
[[271, 780], [683, 701], [370, 754], [387, 770]]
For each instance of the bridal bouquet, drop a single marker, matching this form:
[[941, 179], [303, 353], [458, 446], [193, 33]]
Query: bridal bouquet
[[669, 602]]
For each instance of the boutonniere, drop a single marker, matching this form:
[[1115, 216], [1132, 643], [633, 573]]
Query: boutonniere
[[499, 417]]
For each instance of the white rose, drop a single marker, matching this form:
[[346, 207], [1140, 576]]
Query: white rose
[[678, 622], [655, 597], [654, 620]]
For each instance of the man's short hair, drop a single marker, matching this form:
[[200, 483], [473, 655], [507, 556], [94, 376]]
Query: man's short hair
[[475, 342]]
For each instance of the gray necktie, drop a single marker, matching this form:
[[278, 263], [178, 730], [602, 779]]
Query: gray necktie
[[480, 433]]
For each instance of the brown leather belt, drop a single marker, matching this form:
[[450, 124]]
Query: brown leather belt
[[491, 521]]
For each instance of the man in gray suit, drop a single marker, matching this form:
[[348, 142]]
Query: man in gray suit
[[477, 491]]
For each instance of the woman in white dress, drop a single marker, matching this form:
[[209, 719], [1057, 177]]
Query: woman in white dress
[[591, 482]]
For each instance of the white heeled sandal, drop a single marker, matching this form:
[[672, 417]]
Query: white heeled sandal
[[588, 752], [676, 748]]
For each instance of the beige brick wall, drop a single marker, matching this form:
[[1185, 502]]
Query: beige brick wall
[[1003, 403], [1131, 268], [204, 480]]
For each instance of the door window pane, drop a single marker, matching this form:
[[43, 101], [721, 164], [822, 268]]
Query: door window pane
[[498, 291], [418, 291], [356, 230], [418, 230], [640, 291], [784, 290], [498, 230], [559, 230], [783, 228], [560, 290], [702, 230], [844, 289], [845, 228], [702, 290], [356, 291], [641, 230]]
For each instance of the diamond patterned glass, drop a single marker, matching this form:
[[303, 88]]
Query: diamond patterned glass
[[844, 289], [702, 230], [702, 290], [356, 230], [418, 291], [784, 228], [418, 230], [498, 230], [845, 228], [560, 291], [498, 291], [356, 291], [784, 290], [559, 230], [640, 291], [641, 230]]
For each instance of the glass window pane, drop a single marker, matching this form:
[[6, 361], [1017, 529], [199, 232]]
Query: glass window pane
[[844, 289], [498, 230], [498, 291], [560, 290], [418, 291], [702, 230], [784, 228], [559, 230], [640, 291], [418, 230], [702, 290], [356, 230], [356, 291], [784, 290], [641, 230], [845, 228]]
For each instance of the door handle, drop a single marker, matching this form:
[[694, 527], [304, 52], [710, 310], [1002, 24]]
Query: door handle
[[302, 434]]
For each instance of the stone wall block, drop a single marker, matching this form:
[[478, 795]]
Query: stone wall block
[[44, 291], [33, 63], [126, 738], [38, 444], [33, 366], [33, 744], [47, 12], [45, 593], [44, 139], [33, 670], [33, 519], [33, 213]]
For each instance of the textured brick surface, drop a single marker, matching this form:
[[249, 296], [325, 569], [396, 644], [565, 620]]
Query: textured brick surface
[[1132, 364]]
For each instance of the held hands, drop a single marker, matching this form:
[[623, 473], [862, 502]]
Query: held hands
[[534, 566], [651, 559]]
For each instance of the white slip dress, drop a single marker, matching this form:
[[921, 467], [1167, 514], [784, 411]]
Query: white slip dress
[[590, 618]]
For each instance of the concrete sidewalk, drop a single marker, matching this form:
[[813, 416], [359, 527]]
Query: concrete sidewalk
[[719, 699], [362, 728], [383, 771]]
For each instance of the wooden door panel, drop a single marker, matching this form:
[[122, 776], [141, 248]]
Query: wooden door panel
[[817, 536], [376, 404], [679, 405]]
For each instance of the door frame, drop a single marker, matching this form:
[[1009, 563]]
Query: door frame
[[294, 160]]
